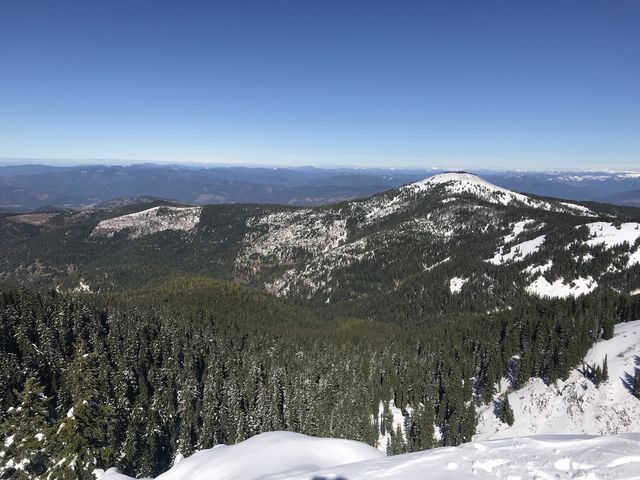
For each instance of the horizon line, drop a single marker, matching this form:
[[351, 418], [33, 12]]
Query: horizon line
[[110, 162]]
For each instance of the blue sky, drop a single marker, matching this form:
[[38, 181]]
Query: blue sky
[[495, 84]]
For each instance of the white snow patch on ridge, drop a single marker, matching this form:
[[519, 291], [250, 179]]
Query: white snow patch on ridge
[[437, 264], [533, 270], [541, 287], [576, 405], [607, 234], [517, 252], [152, 220], [517, 228], [268, 457], [456, 284]]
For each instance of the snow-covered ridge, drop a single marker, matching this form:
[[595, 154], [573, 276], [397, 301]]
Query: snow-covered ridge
[[289, 456], [152, 220], [576, 405], [266, 456], [456, 183]]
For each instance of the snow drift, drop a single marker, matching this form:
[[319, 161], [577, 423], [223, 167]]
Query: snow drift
[[269, 455], [282, 455]]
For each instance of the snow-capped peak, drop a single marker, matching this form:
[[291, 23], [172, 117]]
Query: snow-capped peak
[[457, 183], [462, 182], [461, 178]]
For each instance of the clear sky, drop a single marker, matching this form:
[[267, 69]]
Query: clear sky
[[478, 83]]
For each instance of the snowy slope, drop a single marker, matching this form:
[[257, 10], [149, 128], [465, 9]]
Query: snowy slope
[[517, 252], [295, 457], [546, 457], [152, 220], [576, 405], [263, 456], [560, 288], [609, 235]]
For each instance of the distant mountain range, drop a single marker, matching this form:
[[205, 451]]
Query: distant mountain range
[[38, 187]]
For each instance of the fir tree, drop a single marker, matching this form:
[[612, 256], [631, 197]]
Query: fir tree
[[597, 375], [636, 383], [505, 412], [84, 436], [25, 430]]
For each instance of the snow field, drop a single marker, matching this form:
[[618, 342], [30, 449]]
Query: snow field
[[456, 284], [517, 252], [150, 221], [289, 456], [269, 455], [541, 287], [603, 233]]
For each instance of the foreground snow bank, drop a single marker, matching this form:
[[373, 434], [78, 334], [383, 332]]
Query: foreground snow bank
[[545, 457], [282, 456], [269, 455]]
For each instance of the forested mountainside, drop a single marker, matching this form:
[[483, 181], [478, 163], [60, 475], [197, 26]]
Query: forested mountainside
[[155, 329], [134, 378], [448, 244]]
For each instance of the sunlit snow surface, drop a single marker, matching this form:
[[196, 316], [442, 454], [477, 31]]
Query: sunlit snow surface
[[456, 183], [609, 235], [283, 456], [560, 288], [576, 405], [150, 221], [269, 455], [456, 284], [517, 252]]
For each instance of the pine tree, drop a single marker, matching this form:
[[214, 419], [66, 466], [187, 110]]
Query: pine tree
[[25, 434], [605, 370], [597, 375], [397, 445], [505, 412], [84, 436], [636, 384]]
